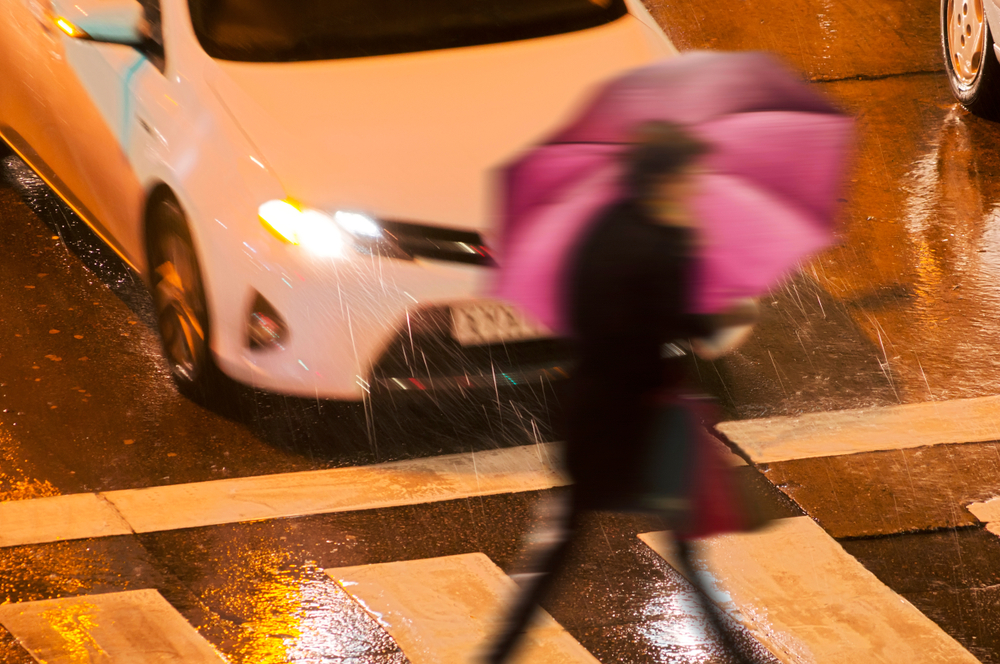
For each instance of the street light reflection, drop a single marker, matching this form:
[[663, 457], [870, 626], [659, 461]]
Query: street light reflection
[[282, 612], [74, 623], [678, 631]]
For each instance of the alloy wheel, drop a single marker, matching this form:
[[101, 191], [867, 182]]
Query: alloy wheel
[[180, 303], [966, 35]]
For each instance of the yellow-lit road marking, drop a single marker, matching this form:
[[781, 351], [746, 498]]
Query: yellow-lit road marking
[[442, 610], [867, 430], [412, 482], [134, 627], [988, 512], [809, 602], [75, 516]]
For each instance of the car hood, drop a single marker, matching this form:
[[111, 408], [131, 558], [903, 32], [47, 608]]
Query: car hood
[[416, 137]]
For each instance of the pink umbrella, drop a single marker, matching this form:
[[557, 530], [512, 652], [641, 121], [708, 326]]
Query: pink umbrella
[[766, 201]]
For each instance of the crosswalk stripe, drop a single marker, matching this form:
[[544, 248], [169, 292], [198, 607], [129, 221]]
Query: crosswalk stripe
[[441, 610], [411, 482], [988, 512], [809, 602], [866, 430], [132, 627], [59, 517]]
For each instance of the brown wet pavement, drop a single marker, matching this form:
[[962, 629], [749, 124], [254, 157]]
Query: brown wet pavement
[[916, 273], [824, 39], [898, 491], [951, 575]]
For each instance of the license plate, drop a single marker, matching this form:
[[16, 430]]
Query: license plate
[[485, 322]]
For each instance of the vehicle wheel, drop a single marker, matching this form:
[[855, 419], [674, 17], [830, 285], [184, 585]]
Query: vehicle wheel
[[179, 297], [973, 70]]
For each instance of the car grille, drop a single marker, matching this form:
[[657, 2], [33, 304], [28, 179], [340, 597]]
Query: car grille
[[445, 244], [426, 357]]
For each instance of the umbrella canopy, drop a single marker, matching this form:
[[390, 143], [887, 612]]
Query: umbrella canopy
[[766, 200]]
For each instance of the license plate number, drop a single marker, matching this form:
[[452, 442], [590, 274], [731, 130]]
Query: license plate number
[[486, 322]]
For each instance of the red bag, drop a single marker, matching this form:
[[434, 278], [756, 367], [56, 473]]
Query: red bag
[[716, 497]]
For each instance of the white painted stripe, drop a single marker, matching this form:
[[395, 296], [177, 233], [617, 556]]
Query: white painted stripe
[[134, 627], [868, 430], [809, 602], [447, 477], [443, 610], [725, 453], [988, 512], [59, 518]]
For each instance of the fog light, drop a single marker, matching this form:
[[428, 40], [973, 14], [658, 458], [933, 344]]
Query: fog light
[[265, 328]]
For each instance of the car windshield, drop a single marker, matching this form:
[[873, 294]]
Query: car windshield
[[295, 30]]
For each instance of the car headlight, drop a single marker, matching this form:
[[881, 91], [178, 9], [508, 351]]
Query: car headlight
[[359, 225], [326, 235], [313, 230]]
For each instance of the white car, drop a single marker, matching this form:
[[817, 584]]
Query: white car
[[307, 184]]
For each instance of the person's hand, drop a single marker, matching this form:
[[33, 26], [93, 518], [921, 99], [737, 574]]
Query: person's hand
[[724, 340], [735, 325]]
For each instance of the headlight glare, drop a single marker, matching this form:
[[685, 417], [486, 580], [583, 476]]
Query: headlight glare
[[281, 218], [358, 224], [320, 235], [310, 228]]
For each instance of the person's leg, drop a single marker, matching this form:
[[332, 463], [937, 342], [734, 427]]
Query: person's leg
[[532, 595], [685, 554]]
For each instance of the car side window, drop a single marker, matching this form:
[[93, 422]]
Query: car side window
[[153, 29]]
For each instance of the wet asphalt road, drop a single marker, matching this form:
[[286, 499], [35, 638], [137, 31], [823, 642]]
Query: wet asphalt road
[[904, 310]]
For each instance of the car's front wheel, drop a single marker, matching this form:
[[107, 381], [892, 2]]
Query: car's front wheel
[[179, 297], [973, 70]]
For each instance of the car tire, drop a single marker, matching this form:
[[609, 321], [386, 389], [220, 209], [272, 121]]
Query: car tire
[[179, 298], [967, 43]]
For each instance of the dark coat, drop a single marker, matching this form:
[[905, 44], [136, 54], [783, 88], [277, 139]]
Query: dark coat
[[628, 296]]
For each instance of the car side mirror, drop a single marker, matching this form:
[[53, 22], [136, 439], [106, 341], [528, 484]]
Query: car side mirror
[[105, 21]]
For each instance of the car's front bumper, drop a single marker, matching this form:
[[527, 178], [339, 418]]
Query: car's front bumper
[[361, 324]]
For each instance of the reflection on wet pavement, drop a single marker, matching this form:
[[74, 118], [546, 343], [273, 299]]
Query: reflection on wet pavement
[[919, 265], [15, 482], [292, 613], [74, 624], [905, 308]]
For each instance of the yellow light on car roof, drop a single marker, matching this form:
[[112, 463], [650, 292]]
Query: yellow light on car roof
[[70, 29]]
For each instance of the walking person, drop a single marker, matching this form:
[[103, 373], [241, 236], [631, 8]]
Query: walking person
[[643, 229], [630, 315]]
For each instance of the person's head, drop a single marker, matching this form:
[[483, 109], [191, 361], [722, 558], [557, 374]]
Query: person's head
[[660, 160]]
